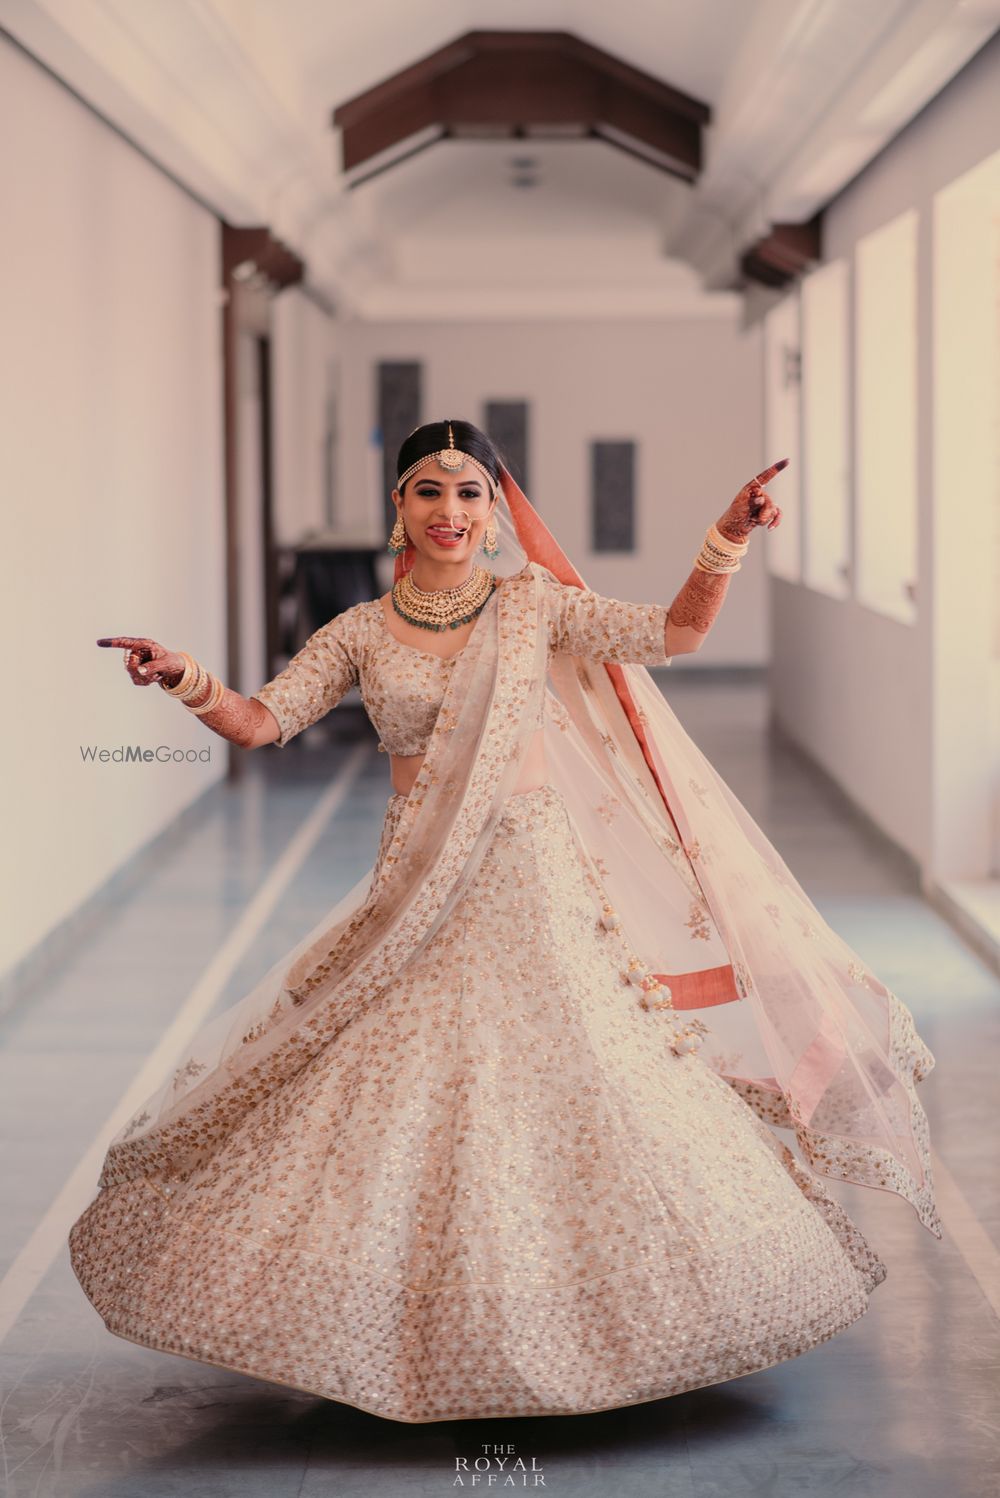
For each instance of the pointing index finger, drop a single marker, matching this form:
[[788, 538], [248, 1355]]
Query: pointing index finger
[[769, 473], [121, 642]]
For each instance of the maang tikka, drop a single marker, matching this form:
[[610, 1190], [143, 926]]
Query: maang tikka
[[454, 458]]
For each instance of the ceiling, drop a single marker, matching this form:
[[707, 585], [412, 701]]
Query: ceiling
[[235, 98], [689, 43]]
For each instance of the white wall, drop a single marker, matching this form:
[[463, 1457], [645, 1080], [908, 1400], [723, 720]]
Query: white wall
[[688, 391], [857, 689], [304, 384], [111, 454]]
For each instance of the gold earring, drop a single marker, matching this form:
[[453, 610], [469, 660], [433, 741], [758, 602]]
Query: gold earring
[[490, 547], [397, 541]]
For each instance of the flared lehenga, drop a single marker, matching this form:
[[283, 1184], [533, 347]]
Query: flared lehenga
[[496, 1192]]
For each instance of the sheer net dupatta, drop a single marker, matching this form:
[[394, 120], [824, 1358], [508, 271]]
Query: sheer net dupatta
[[793, 1019], [361, 947], [814, 1041]]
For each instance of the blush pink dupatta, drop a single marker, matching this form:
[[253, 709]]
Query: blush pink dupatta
[[793, 1020], [796, 1023]]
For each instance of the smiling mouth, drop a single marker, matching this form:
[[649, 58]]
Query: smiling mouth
[[437, 530]]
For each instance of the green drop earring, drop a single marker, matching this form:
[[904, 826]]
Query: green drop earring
[[397, 541]]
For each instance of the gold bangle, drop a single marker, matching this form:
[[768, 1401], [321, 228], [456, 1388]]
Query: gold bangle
[[709, 563], [187, 675], [212, 700], [722, 543], [197, 686]]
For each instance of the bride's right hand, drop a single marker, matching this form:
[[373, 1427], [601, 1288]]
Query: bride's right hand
[[146, 661]]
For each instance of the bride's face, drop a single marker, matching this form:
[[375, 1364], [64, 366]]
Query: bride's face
[[432, 505]]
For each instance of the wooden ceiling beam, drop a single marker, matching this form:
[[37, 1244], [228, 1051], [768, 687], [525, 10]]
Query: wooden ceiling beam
[[783, 254], [516, 83], [269, 255]]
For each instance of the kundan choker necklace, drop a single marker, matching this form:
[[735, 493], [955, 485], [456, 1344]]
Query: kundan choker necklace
[[445, 608]]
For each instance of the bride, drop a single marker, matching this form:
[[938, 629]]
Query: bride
[[498, 1136]]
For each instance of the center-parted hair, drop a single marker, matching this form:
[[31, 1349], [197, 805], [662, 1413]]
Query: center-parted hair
[[433, 436]]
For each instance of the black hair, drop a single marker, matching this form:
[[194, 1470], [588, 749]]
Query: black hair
[[431, 437]]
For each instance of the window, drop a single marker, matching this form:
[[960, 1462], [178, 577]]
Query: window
[[966, 508], [886, 418], [825, 419], [612, 480], [398, 400], [506, 423]]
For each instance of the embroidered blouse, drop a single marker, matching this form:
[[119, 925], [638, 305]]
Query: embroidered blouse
[[402, 687]]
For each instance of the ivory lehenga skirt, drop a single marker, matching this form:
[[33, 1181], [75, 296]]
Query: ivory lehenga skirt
[[497, 1192]]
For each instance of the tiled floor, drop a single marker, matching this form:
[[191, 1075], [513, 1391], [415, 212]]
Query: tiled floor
[[905, 1402]]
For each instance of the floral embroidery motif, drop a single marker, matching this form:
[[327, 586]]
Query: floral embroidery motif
[[695, 851], [608, 809], [743, 980], [136, 1123], [724, 1061], [558, 713], [191, 1068], [699, 921], [774, 912], [701, 791]]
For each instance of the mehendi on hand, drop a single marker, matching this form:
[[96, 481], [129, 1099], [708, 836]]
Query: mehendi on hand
[[753, 506], [236, 718], [699, 601]]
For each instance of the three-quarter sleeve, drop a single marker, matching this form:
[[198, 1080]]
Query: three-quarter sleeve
[[315, 679], [585, 623]]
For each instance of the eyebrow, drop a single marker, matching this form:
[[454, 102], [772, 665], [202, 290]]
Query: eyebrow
[[464, 484]]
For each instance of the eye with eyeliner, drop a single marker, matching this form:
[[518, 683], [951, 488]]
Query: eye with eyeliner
[[465, 493]]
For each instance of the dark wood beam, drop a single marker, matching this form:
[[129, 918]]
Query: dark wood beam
[[785, 253], [276, 261], [516, 83]]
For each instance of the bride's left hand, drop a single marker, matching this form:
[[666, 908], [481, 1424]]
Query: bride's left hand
[[753, 506]]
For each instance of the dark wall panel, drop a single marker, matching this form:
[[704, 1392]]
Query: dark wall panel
[[612, 496], [506, 424], [398, 413]]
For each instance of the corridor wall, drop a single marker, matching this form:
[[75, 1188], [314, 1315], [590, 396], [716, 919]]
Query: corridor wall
[[858, 688], [684, 389], [111, 445]]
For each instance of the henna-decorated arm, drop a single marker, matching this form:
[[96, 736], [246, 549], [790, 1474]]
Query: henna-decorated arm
[[240, 720], [697, 605]]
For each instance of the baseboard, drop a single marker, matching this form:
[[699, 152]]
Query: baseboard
[[975, 927], [979, 934], [750, 676], [57, 945], [909, 867]]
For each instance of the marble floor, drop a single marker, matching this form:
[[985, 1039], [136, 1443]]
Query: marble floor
[[904, 1404]]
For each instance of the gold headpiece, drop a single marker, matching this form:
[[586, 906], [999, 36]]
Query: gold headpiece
[[449, 457]]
